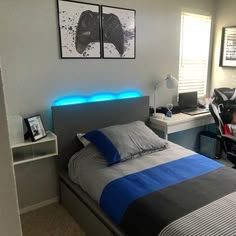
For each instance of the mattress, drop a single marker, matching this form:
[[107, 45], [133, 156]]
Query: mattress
[[171, 192]]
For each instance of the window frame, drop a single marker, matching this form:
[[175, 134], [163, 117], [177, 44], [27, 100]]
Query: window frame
[[207, 80]]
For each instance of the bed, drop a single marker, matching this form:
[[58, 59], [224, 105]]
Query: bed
[[191, 194]]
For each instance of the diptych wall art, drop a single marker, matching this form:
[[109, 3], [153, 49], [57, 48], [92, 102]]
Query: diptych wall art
[[93, 31]]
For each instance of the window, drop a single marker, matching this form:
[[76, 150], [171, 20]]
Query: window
[[194, 53]]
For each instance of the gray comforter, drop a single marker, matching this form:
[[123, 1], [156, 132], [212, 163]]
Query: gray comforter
[[171, 192]]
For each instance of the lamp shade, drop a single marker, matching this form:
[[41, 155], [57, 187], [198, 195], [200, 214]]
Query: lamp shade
[[171, 82]]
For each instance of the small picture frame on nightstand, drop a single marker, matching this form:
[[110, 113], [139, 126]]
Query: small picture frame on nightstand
[[35, 128]]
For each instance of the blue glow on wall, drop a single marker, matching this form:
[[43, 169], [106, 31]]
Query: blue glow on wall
[[95, 98], [129, 94], [102, 97], [70, 101]]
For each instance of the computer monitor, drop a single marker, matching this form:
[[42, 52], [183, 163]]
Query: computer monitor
[[188, 100]]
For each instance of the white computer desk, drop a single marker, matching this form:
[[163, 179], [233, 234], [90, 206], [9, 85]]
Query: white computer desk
[[179, 122]]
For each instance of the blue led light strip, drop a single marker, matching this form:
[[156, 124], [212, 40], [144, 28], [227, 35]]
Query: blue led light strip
[[95, 98]]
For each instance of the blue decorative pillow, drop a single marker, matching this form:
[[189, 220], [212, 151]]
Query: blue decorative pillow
[[121, 142]]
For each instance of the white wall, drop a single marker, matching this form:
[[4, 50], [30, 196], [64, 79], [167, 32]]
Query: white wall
[[9, 217], [225, 16], [35, 75]]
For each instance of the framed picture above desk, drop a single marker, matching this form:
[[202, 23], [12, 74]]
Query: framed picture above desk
[[179, 122], [228, 47]]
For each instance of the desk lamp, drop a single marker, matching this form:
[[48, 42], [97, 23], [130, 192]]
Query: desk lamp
[[170, 82]]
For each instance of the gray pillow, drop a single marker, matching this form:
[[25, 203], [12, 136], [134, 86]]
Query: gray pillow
[[121, 142]]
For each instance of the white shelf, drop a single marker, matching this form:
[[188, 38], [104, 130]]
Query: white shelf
[[50, 136], [33, 159], [28, 151]]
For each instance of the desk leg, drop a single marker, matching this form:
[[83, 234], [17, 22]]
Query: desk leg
[[166, 135]]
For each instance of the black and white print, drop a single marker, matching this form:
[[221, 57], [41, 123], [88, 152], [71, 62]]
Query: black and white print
[[228, 50], [79, 25], [118, 32]]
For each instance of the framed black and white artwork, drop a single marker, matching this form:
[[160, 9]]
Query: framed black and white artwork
[[79, 26], [35, 128], [228, 47], [118, 32]]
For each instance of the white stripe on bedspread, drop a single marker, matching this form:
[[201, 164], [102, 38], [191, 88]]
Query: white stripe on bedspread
[[216, 218]]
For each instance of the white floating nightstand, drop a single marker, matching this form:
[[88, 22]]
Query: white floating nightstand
[[28, 151]]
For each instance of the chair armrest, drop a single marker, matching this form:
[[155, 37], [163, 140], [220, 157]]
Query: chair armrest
[[229, 137]]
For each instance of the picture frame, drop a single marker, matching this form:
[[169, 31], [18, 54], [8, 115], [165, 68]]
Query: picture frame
[[35, 128], [118, 33], [228, 47], [79, 29]]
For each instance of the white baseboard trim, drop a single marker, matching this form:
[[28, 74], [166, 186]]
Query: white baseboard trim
[[39, 205]]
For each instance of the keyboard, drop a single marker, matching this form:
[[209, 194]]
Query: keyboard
[[195, 111]]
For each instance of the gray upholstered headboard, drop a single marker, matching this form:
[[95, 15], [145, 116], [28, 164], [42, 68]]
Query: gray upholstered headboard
[[69, 120]]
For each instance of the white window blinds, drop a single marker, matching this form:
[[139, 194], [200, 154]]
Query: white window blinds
[[194, 53]]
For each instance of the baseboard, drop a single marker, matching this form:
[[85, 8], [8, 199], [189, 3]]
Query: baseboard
[[39, 205]]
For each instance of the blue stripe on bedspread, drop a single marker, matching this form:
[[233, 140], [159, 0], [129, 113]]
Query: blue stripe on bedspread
[[119, 193]]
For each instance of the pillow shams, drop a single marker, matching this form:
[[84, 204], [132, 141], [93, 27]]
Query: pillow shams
[[121, 142], [83, 140]]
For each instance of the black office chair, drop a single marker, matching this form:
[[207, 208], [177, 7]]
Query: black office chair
[[221, 105]]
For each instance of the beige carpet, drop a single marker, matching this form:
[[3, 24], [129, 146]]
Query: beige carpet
[[52, 220]]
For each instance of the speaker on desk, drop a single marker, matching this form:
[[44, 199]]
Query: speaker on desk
[[176, 110], [162, 110]]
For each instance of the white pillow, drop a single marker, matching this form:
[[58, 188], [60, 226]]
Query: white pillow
[[83, 140]]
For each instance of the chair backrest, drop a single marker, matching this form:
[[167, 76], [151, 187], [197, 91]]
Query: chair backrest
[[222, 101]]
